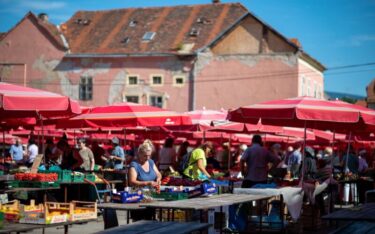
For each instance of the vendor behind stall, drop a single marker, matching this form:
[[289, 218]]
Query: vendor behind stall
[[117, 155], [196, 168], [143, 171]]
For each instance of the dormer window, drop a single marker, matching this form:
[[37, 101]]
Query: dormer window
[[125, 40], [148, 36], [133, 23], [194, 32]]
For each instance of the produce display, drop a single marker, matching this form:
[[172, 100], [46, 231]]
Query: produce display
[[174, 181], [41, 177]]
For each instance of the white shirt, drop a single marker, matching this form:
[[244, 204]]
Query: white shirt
[[32, 152]]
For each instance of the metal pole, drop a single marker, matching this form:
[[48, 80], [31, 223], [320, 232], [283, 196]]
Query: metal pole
[[3, 143], [303, 153], [347, 153]]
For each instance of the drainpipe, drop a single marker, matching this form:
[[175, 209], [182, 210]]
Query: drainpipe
[[192, 84]]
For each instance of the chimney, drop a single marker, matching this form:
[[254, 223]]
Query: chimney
[[43, 17], [215, 1]]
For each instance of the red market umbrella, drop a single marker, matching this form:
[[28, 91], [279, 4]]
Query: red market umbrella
[[233, 127], [303, 112], [125, 115], [18, 101], [205, 117]]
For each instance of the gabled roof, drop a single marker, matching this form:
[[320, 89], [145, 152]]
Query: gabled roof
[[48, 29], [2, 35], [121, 31]]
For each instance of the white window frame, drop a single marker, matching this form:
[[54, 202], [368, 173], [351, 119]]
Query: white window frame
[[128, 80], [86, 98], [130, 95], [162, 99], [148, 36], [175, 79], [152, 79], [303, 81]]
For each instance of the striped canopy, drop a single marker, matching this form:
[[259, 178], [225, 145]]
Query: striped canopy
[[306, 112], [125, 115], [18, 101]]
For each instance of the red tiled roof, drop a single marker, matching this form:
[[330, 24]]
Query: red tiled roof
[[104, 32], [2, 35]]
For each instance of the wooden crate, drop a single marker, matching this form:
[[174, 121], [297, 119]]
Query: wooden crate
[[52, 212], [11, 211], [80, 210]]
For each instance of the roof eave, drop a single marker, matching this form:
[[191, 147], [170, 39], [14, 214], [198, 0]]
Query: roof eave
[[122, 55], [315, 63]]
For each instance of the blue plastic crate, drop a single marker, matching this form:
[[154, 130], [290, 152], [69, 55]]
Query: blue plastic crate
[[209, 188], [126, 197]]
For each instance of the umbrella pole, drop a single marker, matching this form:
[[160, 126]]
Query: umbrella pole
[[303, 153], [41, 123], [3, 143], [124, 137], [347, 153], [204, 136], [332, 145], [229, 154]]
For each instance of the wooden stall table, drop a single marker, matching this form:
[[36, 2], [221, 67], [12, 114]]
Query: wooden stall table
[[365, 212], [207, 203], [109, 212], [14, 190], [155, 227], [22, 227]]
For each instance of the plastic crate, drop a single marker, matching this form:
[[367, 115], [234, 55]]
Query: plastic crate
[[63, 175], [90, 177], [125, 197], [37, 184], [78, 178], [209, 188], [14, 184], [170, 196]]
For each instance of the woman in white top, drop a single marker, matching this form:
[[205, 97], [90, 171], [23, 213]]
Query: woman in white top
[[167, 155]]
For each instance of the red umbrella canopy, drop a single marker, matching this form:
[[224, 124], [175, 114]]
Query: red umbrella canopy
[[126, 115], [19, 101], [301, 112], [233, 127], [205, 117]]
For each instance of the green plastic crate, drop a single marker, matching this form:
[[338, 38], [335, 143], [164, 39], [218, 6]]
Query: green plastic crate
[[170, 196], [90, 177], [37, 184], [78, 178], [63, 175], [14, 184]]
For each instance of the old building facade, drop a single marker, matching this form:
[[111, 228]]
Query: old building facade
[[181, 58]]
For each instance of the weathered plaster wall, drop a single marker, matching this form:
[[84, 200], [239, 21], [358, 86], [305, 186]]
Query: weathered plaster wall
[[27, 44], [233, 81]]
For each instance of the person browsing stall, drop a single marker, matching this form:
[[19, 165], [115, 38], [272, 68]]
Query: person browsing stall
[[254, 163], [143, 171]]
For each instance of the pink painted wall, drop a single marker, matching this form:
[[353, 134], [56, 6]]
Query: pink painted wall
[[28, 44], [231, 83], [110, 75], [310, 82]]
